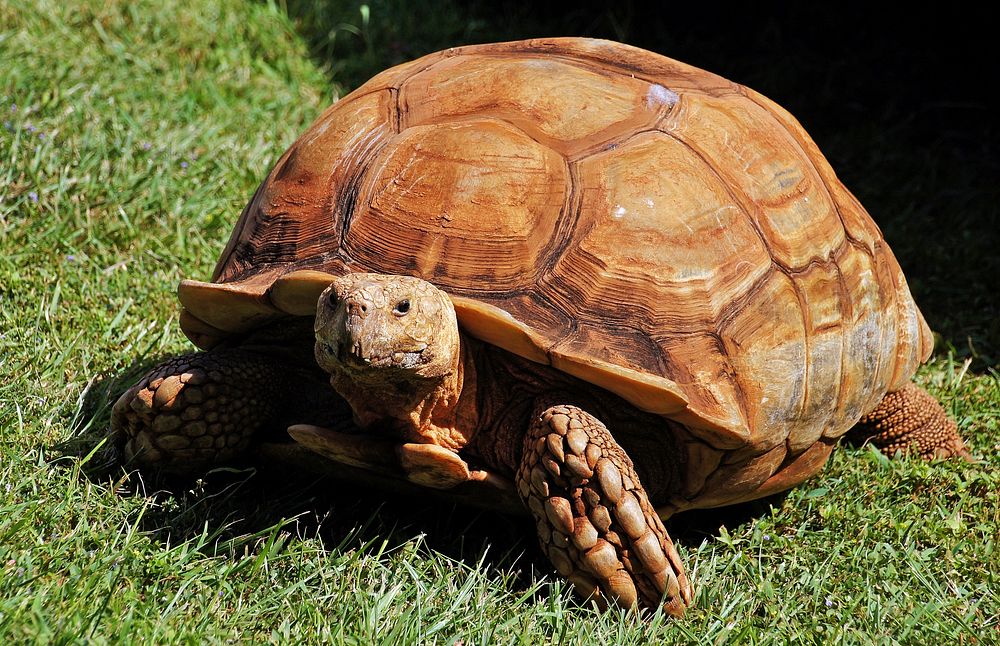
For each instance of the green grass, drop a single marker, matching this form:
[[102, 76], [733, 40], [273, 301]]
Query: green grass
[[132, 133]]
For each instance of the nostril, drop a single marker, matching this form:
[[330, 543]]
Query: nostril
[[355, 308]]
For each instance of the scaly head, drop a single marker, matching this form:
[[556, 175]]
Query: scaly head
[[377, 327], [390, 344]]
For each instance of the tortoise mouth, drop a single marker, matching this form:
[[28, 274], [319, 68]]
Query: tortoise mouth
[[351, 357]]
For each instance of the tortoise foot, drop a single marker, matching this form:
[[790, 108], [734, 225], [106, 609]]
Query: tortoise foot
[[594, 519], [195, 411], [910, 419], [426, 465]]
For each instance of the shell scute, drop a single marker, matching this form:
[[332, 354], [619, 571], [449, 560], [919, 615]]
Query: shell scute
[[869, 333], [767, 346], [822, 298], [699, 364], [301, 206], [562, 103], [470, 203], [658, 238], [763, 165], [858, 224]]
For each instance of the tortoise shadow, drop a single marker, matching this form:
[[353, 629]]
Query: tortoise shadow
[[244, 501], [249, 499], [249, 503]]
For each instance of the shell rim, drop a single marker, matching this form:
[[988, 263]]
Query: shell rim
[[213, 312]]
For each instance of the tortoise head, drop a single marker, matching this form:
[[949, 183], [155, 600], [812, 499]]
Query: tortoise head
[[375, 327]]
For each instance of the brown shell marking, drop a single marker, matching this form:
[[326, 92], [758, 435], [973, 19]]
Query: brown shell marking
[[563, 105], [493, 225], [651, 227], [300, 208]]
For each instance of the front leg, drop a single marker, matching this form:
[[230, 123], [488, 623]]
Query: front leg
[[436, 467], [428, 465], [595, 522], [199, 410]]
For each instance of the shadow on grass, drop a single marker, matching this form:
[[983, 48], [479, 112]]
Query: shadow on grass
[[246, 501]]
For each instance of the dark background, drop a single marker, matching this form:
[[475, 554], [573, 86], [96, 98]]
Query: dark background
[[901, 103]]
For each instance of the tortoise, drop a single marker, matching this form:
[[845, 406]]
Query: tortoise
[[606, 284]]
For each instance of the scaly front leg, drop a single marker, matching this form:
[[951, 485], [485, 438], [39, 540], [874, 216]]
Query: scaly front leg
[[594, 519], [428, 465], [198, 410]]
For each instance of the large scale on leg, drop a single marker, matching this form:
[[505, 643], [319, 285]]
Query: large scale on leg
[[573, 222], [595, 521]]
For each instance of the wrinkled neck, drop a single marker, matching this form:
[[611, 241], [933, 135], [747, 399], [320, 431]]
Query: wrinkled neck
[[438, 411]]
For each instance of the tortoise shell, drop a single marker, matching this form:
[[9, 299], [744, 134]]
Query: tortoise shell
[[652, 228]]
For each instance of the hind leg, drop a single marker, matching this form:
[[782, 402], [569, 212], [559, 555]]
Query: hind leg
[[910, 419]]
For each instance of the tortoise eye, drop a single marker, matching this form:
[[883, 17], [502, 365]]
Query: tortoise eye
[[332, 299], [402, 307]]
